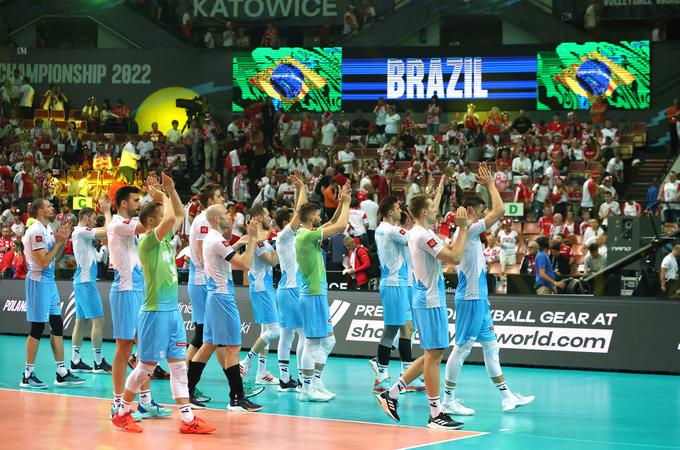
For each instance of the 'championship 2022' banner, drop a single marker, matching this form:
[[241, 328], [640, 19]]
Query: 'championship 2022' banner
[[567, 332]]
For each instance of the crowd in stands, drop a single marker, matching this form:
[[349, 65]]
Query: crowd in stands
[[567, 174]]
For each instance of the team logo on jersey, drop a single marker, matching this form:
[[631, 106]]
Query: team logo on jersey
[[402, 231], [432, 243], [204, 229], [38, 239]]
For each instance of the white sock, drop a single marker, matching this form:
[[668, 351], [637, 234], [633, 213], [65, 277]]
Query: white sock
[[61, 368], [383, 371], [117, 399], [300, 374], [397, 388], [261, 365], [124, 407], [284, 375], [97, 354], [435, 406], [503, 389], [307, 383], [317, 377], [449, 391], [75, 354], [187, 413], [29, 370], [249, 357], [145, 397]]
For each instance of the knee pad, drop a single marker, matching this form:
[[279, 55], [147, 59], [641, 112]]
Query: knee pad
[[139, 375], [57, 325], [309, 353], [491, 350], [389, 333], [179, 382], [325, 347], [461, 352], [37, 329], [270, 332], [197, 341]]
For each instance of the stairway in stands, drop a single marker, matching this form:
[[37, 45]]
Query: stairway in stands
[[641, 177]]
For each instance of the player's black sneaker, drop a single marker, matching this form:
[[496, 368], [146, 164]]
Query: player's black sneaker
[[195, 404], [32, 382], [389, 405], [291, 386], [243, 404], [80, 367], [104, 367], [68, 380], [443, 422], [160, 374]]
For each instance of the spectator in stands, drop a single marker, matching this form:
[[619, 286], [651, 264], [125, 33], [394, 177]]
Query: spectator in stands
[[608, 208], [546, 221], [492, 251], [673, 116], [358, 222], [369, 206], [590, 191], [209, 132], [546, 283], [54, 99], [329, 134], [367, 14], [121, 114], [13, 263], [206, 178], [527, 267], [593, 262], [186, 28], [358, 262], [503, 177], [359, 125], [540, 192], [307, 127], [346, 157], [598, 110], [615, 169], [325, 36], [392, 122], [26, 101], [271, 38], [668, 274], [559, 196], [91, 114], [521, 165], [631, 208], [6, 98], [17, 226], [593, 231], [241, 38], [522, 124], [278, 163], [331, 199], [467, 179], [507, 237], [575, 152], [380, 112], [24, 184], [208, 38], [652, 199], [432, 112], [350, 23]]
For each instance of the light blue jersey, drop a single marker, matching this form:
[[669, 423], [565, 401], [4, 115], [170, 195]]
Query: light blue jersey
[[392, 243], [85, 254], [261, 274], [285, 247], [430, 290], [37, 237], [472, 268]]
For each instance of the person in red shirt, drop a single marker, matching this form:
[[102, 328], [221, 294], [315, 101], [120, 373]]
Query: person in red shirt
[[122, 115], [45, 146], [5, 240], [155, 135], [546, 222], [359, 262], [385, 185], [598, 110], [270, 38], [307, 132], [556, 126], [13, 262], [523, 192]]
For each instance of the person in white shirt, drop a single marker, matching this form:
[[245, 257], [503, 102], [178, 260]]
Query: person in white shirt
[[145, 146], [392, 120], [575, 151], [358, 222], [609, 132], [26, 102], [329, 134], [668, 275], [521, 165], [609, 208], [631, 208], [174, 135], [88, 301], [317, 160], [278, 163], [466, 180], [507, 237], [233, 127], [615, 167], [591, 233], [346, 157], [370, 208], [209, 39], [287, 191], [668, 198]]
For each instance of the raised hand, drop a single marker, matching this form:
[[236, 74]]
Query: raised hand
[[155, 191], [168, 183], [297, 180], [64, 232], [484, 175], [461, 217], [254, 226], [104, 203], [345, 193]]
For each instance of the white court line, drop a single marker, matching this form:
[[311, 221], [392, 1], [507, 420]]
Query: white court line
[[258, 413], [479, 433]]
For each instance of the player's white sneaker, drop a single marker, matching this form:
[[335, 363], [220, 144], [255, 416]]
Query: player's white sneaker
[[266, 378], [313, 396], [373, 363], [514, 400], [454, 407], [319, 387]]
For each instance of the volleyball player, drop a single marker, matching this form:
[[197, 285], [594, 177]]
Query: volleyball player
[[88, 301], [42, 298], [222, 331], [127, 296], [429, 307], [161, 326], [263, 299], [198, 293], [288, 293], [318, 329], [473, 311], [395, 294]]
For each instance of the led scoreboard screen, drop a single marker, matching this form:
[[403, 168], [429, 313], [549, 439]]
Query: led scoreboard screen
[[573, 75], [296, 79], [505, 81]]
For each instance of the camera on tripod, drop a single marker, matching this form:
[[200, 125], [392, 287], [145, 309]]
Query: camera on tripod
[[193, 107]]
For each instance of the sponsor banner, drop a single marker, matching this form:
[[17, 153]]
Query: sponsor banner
[[622, 9], [567, 332]]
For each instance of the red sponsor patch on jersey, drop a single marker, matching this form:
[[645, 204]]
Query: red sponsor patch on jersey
[[225, 243], [127, 221], [38, 239], [181, 344], [88, 229], [204, 229], [432, 243], [260, 244], [402, 232]]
